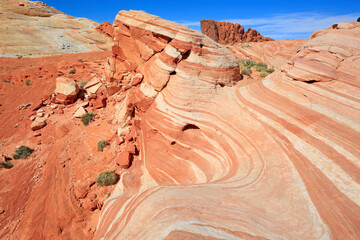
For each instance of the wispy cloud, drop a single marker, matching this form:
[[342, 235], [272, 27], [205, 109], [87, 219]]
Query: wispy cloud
[[288, 26]]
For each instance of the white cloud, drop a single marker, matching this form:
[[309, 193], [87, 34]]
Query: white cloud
[[291, 25]]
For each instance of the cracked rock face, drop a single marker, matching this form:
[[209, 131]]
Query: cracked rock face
[[276, 159]]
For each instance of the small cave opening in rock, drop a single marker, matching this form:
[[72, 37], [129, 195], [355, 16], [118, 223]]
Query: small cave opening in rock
[[173, 143], [310, 81], [189, 126], [173, 73], [186, 55]]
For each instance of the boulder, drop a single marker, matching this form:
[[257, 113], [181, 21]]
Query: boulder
[[38, 124], [92, 86], [80, 112], [124, 159], [66, 90]]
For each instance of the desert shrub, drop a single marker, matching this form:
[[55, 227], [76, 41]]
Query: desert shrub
[[99, 63], [263, 74], [72, 71], [358, 19], [246, 72], [83, 83], [87, 118], [23, 152], [80, 60], [106, 178], [101, 144], [27, 82], [7, 165], [6, 81], [246, 64]]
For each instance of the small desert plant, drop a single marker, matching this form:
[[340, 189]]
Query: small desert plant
[[108, 194], [72, 71], [101, 144], [246, 72], [99, 63], [27, 82], [83, 83], [7, 165], [106, 178], [87, 118], [358, 19], [248, 65], [23, 152], [80, 60], [6, 81]]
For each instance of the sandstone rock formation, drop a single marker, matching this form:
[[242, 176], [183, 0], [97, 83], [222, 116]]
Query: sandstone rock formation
[[273, 53], [199, 154], [227, 162], [31, 28], [230, 33]]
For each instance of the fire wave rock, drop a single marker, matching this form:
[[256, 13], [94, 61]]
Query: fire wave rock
[[277, 159]]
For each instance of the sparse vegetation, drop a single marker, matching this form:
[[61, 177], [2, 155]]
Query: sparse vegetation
[[246, 72], [260, 67], [80, 60], [23, 152], [6, 81], [87, 118], [106, 178], [358, 19], [108, 194], [101, 144], [72, 71], [99, 63], [83, 83], [28, 83], [7, 165]]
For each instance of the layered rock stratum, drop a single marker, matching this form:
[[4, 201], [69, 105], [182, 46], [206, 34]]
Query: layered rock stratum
[[276, 159], [230, 33], [31, 28]]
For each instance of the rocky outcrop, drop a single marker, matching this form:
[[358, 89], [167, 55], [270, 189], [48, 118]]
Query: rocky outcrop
[[325, 56], [226, 162], [31, 28], [230, 33], [106, 28]]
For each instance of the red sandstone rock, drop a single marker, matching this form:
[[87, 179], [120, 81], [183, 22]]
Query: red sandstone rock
[[66, 90], [38, 123], [89, 204], [209, 150], [124, 159], [99, 102], [229, 33], [106, 28]]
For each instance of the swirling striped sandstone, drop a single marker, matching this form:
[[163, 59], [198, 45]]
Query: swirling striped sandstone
[[274, 53], [277, 159]]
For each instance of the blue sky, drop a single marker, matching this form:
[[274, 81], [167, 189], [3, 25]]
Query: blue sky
[[277, 19]]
